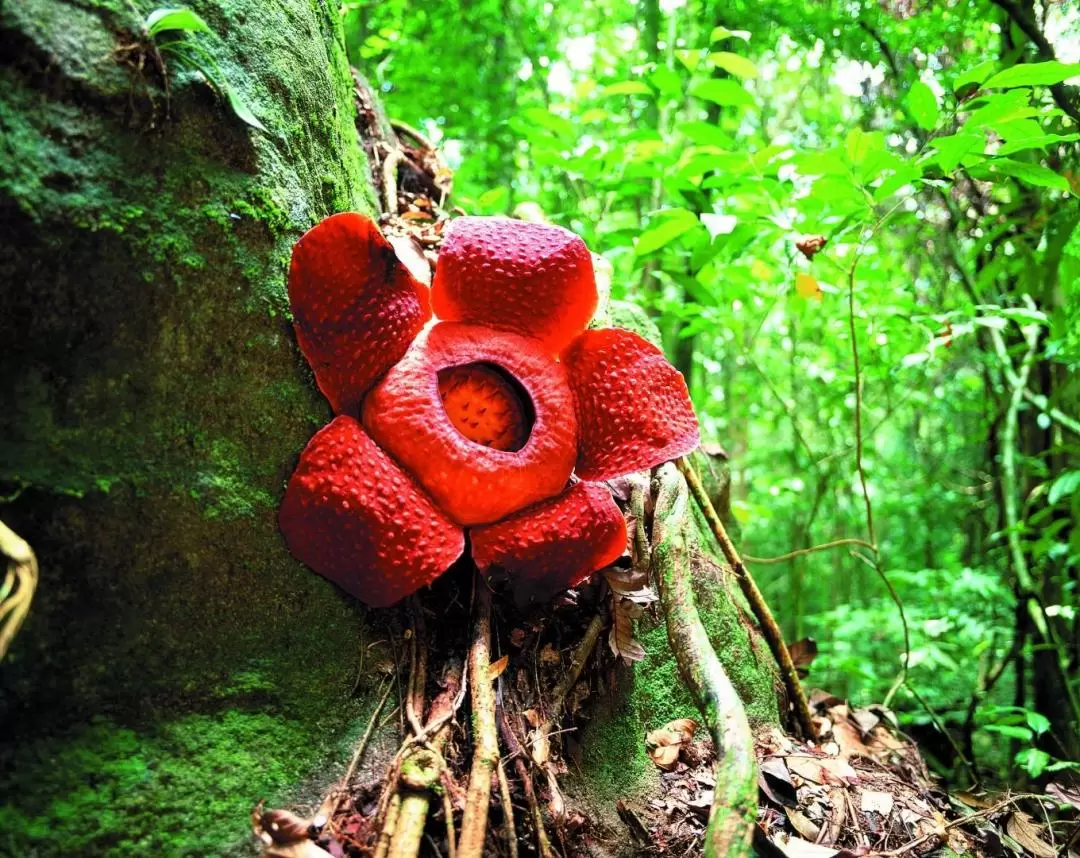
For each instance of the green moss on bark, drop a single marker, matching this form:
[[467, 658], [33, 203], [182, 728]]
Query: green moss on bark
[[178, 664]]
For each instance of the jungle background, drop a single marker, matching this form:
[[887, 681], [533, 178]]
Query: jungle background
[[854, 223], [695, 145]]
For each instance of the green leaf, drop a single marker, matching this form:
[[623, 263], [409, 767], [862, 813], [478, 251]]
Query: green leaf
[[627, 87], [734, 64], [720, 33], [1033, 761], [1033, 74], [975, 75], [241, 108], [161, 20], [952, 149], [1066, 483], [690, 59], [663, 229], [1021, 733], [1037, 722], [1032, 174], [1038, 141], [862, 145], [726, 93], [557, 125], [922, 104]]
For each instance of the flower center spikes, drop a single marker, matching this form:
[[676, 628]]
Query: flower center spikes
[[484, 406]]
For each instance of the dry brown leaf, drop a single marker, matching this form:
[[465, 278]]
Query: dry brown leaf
[[621, 638], [865, 719], [1066, 793], [802, 824], [775, 781], [549, 655], [408, 250], [847, 737], [821, 770], [495, 670], [796, 847], [628, 583], [665, 743], [517, 637], [1025, 831], [877, 802], [803, 654], [539, 746], [665, 756]]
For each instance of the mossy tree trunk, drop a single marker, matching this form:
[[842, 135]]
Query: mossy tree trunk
[[178, 665]]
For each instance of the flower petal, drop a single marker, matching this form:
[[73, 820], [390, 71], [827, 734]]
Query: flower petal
[[356, 307], [555, 544], [533, 279], [352, 515], [633, 408], [473, 483]]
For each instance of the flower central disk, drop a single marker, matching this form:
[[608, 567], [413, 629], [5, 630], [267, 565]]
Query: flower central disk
[[484, 407]]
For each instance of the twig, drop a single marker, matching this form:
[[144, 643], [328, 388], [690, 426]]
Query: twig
[[508, 810], [791, 555], [543, 844], [771, 631], [389, 179], [733, 813], [361, 746], [956, 823], [20, 582], [485, 739], [1055, 414]]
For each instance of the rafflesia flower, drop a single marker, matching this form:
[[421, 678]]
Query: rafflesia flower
[[477, 420]]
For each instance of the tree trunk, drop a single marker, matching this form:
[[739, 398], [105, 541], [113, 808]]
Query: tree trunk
[[178, 665]]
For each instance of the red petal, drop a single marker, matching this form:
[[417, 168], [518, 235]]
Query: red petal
[[633, 407], [473, 483], [352, 515], [529, 278], [356, 308], [557, 543]]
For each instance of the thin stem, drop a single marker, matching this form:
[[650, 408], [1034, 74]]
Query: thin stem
[[769, 628], [825, 546], [485, 738]]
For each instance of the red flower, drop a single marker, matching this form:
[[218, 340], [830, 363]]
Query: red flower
[[477, 420]]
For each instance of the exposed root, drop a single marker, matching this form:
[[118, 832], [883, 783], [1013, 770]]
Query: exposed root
[[543, 844], [508, 811], [485, 738], [770, 630], [17, 590], [733, 813]]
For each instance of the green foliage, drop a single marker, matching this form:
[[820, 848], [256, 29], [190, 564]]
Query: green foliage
[[695, 144], [187, 52]]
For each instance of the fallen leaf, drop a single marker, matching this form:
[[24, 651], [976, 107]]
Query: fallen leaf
[[802, 825], [665, 743], [807, 286], [621, 638], [775, 781], [865, 719], [850, 742], [877, 802], [627, 581], [496, 668], [517, 637], [803, 654], [796, 847], [1065, 793], [1024, 830], [548, 655], [665, 756]]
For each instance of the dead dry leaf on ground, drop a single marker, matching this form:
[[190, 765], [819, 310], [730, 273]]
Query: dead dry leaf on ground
[[621, 638], [1025, 831], [495, 670], [665, 743]]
